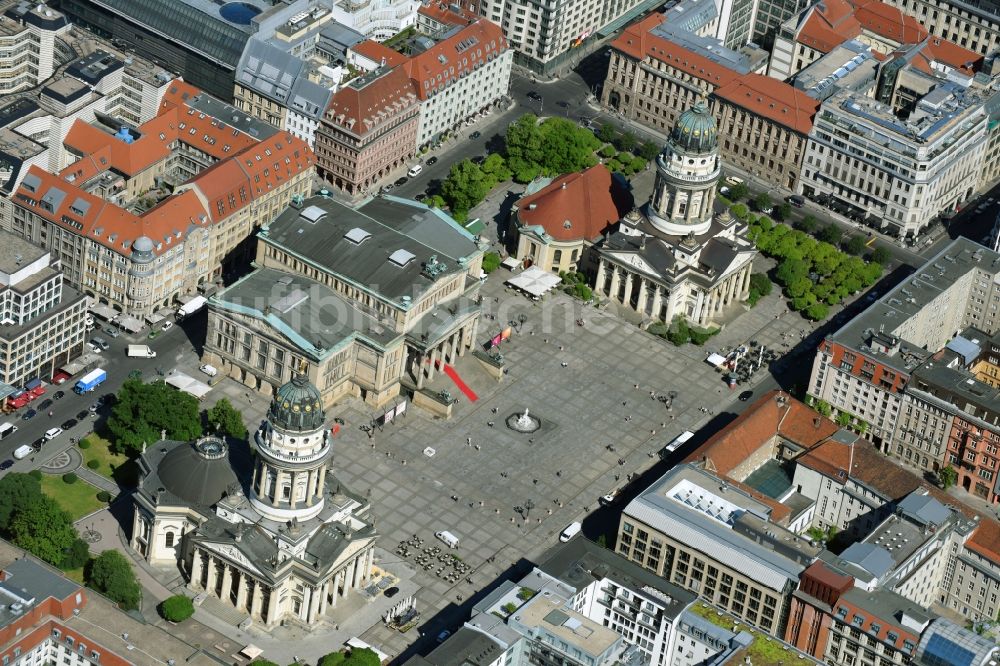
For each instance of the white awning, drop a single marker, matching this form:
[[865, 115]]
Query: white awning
[[188, 384], [154, 319], [535, 281], [104, 311], [715, 359], [510, 263], [251, 651], [129, 323]]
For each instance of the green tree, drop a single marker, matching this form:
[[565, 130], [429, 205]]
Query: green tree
[[784, 211], [637, 164], [43, 529], [807, 224], [491, 262], [435, 201], [465, 186], [606, 132], [760, 286], [565, 147], [831, 233], [762, 201], [333, 659], [112, 575], [880, 256], [176, 608], [141, 411], [226, 419], [262, 662], [76, 555], [738, 192], [790, 270], [816, 311], [523, 143], [16, 491], [626, 141], [608, 151], [356, 657], [649, 150], [948, 477], [843, 419], [855, 245], [496, 169], [824, 408]]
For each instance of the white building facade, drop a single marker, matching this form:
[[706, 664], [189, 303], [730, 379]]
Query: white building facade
[[904, 173]]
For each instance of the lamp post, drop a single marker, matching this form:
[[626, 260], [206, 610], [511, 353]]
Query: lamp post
[[528, 506]]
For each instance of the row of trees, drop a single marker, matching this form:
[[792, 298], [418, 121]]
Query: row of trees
[[141, 412], [354, 657], [813, 273], [551, 148], [32, 520]]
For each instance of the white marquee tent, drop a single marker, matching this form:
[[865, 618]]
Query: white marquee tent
[[535, 282]]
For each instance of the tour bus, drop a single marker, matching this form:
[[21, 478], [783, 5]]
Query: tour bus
[[678, 442]]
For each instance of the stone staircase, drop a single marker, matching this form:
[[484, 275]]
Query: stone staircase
[[224, 611]]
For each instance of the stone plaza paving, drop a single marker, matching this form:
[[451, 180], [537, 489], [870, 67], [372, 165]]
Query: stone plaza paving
[[590, 388]]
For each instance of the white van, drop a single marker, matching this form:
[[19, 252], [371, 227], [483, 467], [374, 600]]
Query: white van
[[448, 538], [23, 451], [7, 429], [571, 531], [734, 180], [414, 170], [209, 370]]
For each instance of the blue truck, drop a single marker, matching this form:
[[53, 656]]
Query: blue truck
[[90, 381]]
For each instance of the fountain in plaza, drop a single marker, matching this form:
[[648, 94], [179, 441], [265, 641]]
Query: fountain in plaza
[[524, 422]]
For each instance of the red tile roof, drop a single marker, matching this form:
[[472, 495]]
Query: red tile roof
[[377, 52], [828, 24], [362, 104], [446, 13], [772, 99], [936, 50], [439, 66], [589, 202], [986, 540], [248, 170], [755, 427], [638, 42], [889, 22]]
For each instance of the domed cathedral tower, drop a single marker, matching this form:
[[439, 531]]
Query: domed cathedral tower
[[687, 171], [293, 453]]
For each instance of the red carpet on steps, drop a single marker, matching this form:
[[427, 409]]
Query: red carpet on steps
[[462, 386]]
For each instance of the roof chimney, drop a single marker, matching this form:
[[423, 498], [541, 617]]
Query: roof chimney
[[564, 185], [816, 422]]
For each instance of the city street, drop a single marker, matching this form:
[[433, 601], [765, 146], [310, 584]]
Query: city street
[[175, 349]]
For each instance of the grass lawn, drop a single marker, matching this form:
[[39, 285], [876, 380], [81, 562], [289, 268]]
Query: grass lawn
[[764, 651], [78, 498], [100, 450], [75, 575]]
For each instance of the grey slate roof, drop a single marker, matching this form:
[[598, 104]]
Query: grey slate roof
[[580, 562], [925, 509], [874, 559], [467, 646], [393, 224], [28, 584], [319, 321], [16, 253], [268, 70]]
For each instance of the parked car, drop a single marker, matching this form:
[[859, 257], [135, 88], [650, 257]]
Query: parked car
[[167, 326], [45, 404], [28, 415], [94, 407], [112, 331], [535, 96], [389, 591], [82, 415], [746, 395], [52, 433], [609, 498], [6, 464], [420, 197], [475, 135], [209, 370], [101, 343], [797, 201], [69, 424], [58, 395], [401, 181], [443, 636], [478, 159], [431, 161]]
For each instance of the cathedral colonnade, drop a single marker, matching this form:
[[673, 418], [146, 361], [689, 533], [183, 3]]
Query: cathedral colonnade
[[448, 350], [642, 294], [219, 576]]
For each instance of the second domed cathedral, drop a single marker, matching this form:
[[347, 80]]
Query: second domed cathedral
[[681, 254]]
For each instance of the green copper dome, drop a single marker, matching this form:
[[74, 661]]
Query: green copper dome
[[695, 131], [297, 406]]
